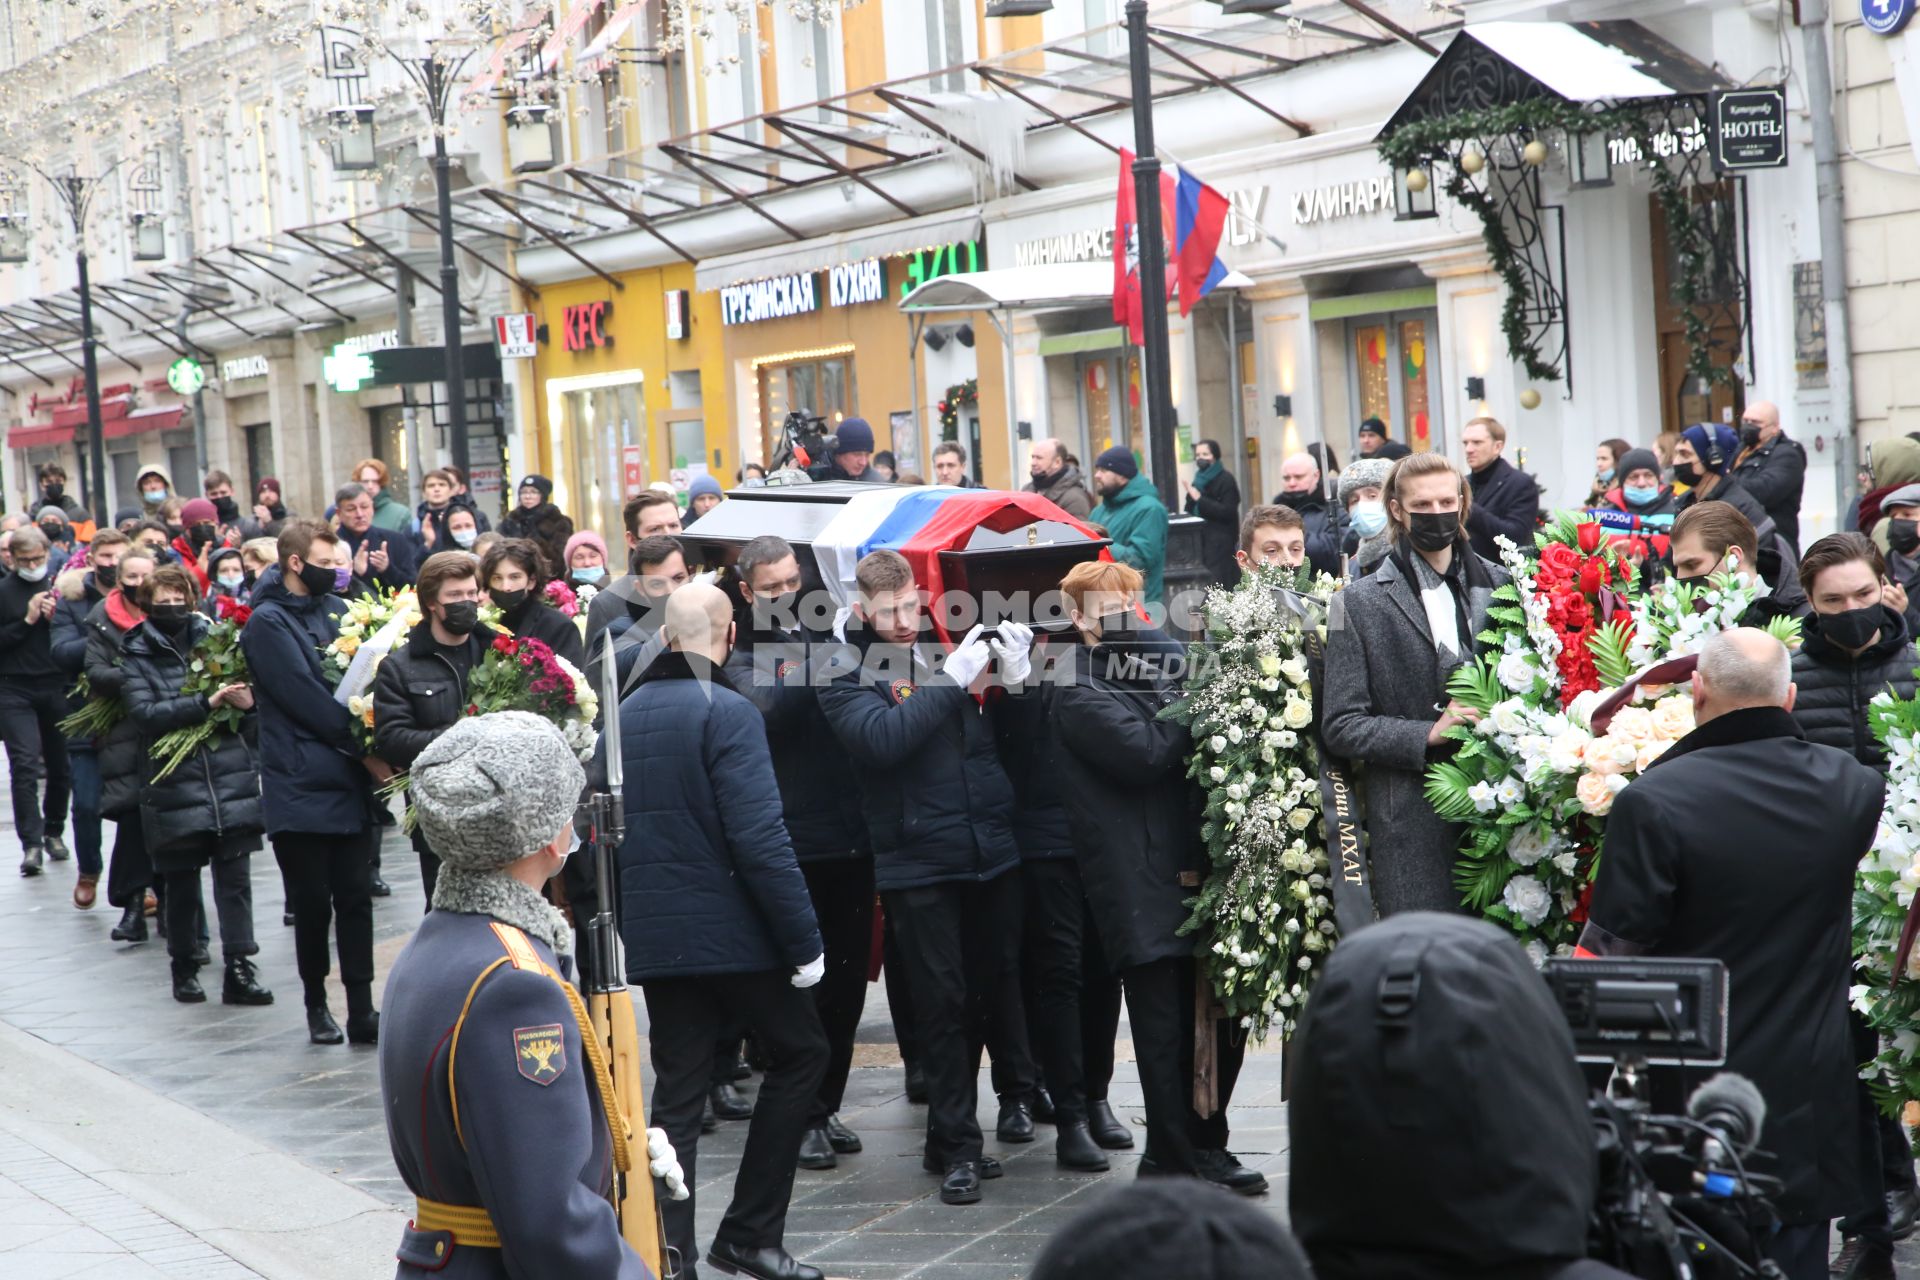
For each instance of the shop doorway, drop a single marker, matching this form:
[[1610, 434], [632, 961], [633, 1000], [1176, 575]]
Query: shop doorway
[[259, 459], [1685, 397], [389, 428], [1110, 401], [1390, 376], [600, 446]]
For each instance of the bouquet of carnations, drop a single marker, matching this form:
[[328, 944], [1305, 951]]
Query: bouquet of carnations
[[527, 675], [216, 661], [1264, 916]]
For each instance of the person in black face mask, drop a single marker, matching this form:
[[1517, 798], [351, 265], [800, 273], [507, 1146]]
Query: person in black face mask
[[53, 493], [1855, 646], [515, 576], [420, 690], [1395, 636], [1900, 521]]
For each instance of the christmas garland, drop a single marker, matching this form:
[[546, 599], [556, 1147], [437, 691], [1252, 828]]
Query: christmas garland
[[1434, 141], [959, 396]]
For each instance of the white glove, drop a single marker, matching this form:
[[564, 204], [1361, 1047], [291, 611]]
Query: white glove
[[1013, 646], [968, 659], [810, 972], [665, 1165]]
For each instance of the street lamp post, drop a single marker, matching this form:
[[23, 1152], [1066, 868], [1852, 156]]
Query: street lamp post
[[436, 78], [76, 193], [1153, 263]]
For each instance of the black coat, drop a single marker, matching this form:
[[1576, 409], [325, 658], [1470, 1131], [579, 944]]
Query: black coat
[[1506, 504], [26, 649], [442, 539], [403, 556], [1123, 776], [68, 643], [1704, 859], [547, 527], [1031, 753], [122, 760], [820, 798], [1219, 506], [211, 803], [311, 777], [541, 621], [419, 693], [1835, 686], [939, 806], [708, 880], [1775, 474]]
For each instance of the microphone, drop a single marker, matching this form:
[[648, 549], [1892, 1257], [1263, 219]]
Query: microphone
[[1731, 1106]]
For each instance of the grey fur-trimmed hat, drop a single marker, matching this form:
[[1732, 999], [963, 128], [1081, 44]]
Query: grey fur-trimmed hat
[[494, 788], [1362, 472]]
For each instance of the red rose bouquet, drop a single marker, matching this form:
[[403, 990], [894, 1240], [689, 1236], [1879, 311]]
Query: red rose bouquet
[[526, 675], [215, 662]]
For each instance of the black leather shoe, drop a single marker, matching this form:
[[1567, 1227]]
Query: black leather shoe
[[241, 984], [730, 1104], [1043, 1106], [772, 1263], [1223, 1170], [381, 889], [1016, 1123], [742, 1069], [201, 956], [186, 986], [844, 1140], [364, 1028], [1106, 1127], [962, 1184], [1075, 1148], [1903, 1211], [132, 926], [57, 849], [322, 1029], [988, 1166], [32, 860], [709, 1122], [1859, 1260], [916, 1085], [816, 1150]]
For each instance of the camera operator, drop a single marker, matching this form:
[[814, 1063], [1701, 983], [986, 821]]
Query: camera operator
[[1740, 844], [1439, 1119], [852, 455]]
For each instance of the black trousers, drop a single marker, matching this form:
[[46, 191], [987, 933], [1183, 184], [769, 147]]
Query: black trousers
[[893, 971], [960, 944], [232, 906], [1800, 1249], [331, 878], [429, 863], [1160, 1005], [842, 893], [685, 1017], [30, 713], [1073, 1010], [130, 871]]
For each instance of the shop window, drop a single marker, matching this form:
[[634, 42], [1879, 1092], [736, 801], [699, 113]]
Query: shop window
[[946, 44], [603, 450], [1390, 371], [186, 471], [388, 424], [822, 387], [259, 458], [1110, 400]]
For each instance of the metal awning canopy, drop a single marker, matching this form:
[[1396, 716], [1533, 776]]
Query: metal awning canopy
[[1493, 64], [890, 240], [1056, 286]]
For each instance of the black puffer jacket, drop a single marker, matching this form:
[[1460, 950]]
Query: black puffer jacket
[[939, 806], [820, 796], [121, 757], [1123, 776], [546, 526], [418, 693], [1835, 686], [1031, 754], [211, 803]]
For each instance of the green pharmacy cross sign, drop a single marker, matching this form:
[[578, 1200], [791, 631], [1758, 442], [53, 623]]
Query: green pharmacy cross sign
[[186, 375], [346, 370]]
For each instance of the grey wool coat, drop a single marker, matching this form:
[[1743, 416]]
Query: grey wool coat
[[1383, 689]]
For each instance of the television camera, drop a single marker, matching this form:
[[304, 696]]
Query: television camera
[[805, 447], [1676, 1198]]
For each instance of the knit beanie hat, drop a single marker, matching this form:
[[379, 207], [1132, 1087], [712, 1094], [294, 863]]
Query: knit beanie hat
[[1362, 472], [58, 513], [853, 436], [1373, 427], [1118, 460], [198, 511], [1172, 1226], [495, 788], [584, 538], [544, 485], [1636, 460], [704, 484]]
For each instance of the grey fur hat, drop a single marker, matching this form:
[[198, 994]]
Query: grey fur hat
[[495, 788], [1362, 472]]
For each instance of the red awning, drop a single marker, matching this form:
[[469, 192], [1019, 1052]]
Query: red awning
[[161, 418], [38, 435], [75, 415]]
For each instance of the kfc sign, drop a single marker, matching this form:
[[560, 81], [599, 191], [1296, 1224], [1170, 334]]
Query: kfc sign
[[586, 325]]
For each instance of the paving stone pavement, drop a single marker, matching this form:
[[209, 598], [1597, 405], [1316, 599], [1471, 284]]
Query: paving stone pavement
[[876, 1217]]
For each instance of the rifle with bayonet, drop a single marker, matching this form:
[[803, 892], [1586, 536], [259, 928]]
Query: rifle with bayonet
[[608, 1004]]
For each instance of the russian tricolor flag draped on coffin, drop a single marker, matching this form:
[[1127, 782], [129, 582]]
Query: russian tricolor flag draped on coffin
[[920, 523], [1193, 219]]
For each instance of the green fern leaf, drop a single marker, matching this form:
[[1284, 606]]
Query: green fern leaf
[[1609, 649]]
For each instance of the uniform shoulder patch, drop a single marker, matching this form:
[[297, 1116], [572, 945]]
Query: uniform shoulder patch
[[901, 690], [540, 1053]]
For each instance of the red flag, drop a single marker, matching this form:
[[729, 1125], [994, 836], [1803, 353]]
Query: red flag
[[1126, 255]]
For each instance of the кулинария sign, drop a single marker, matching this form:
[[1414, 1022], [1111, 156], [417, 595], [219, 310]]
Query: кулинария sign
[[1747, 128]]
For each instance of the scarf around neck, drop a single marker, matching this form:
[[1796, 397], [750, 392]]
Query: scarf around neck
[[1204, 476]]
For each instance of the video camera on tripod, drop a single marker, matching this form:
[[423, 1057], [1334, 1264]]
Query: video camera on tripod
[[805, 446], [1676, 1199]]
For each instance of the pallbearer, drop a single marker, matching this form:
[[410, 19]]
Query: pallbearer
[[497, 1096]]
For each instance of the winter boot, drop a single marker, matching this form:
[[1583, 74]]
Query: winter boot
[[186, 985], [132, 926], [241, 985]]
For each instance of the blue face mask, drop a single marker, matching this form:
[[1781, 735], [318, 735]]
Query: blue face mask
[[591, 574], [1641, 497], [1604, 477], [232, 581], [154, 497], [1369, 518]]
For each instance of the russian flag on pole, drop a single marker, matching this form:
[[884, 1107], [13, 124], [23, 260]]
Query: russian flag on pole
[[1200, 218]]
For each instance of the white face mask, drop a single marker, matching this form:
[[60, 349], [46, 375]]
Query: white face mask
[[232, 581], [154, 496], [36, 574], [466, 537]]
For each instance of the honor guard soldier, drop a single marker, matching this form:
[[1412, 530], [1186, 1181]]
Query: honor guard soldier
[[499, 1107]]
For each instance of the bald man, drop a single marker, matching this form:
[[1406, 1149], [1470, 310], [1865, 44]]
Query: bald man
[[719, 929], [1055, 476], [1773, 467], [1741, 844], [1302, 488]]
